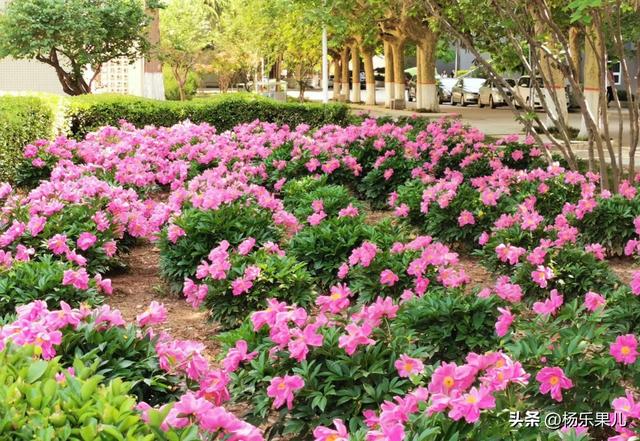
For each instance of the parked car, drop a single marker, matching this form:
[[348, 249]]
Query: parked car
[[445, 86], [490, 94], [525, 90], [466, 91]]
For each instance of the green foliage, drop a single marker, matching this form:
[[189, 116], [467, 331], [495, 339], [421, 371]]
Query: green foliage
[[41, 279], [281, 277], [88, 113], [448, 324], [326, 246], [610, 223], [22, 120], [205, 229], [121, 353], [72, 35], [171, 91], [34, 405]]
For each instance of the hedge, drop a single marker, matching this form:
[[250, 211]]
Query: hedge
[[87, 113], [23, 119]]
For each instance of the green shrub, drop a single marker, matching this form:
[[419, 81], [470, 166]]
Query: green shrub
[[334, 198], [34, 405], [171, 91], [25, 282], [22, 120], [610, 223], [204, 230], [88, 113], [326, 246], [449, 324]]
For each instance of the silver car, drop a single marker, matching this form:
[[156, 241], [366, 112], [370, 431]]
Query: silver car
[[466, 91], [490, 94]]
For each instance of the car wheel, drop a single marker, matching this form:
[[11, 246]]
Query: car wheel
[[480, 103], [492, 105], [463, 103], [453, 101]]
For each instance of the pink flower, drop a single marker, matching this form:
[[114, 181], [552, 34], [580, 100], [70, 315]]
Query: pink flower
[[597, 250], [504, 321], [407, 366], [387, 174], [450, 377], [466, 218], [593, 301], [322, 433], [174, 233], [388, 278], [317, 205], [336, 301], [155, 314], [510, 292], [484, 238], [541, 275], [625, 349], [246, 246], [240, 286], [349, 211], [78, 279], [58, 244], [237, 355], [401, 210], [357, 335], [553, 380], [86, 241], [509, 253], [635, 283], [469, 405], [363, 255], [316, 218], [549, 306], [343, 271], [110, 248], [282, 389], [301, 340]]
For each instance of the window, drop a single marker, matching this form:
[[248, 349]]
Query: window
[[523, 82]]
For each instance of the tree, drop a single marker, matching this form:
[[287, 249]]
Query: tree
[[185, 32], [73, 35], [544, 35]]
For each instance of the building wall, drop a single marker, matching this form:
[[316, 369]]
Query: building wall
[[28, 75]]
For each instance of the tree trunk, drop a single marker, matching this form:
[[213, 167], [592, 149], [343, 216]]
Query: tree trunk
[[370, 77], [574, 51], [337, 83], [592, 81], [388, 75], [398, 74], [344, 63], [355, 77], [426, 89]]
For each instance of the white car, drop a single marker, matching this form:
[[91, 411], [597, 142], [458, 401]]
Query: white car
[[466, 91], [524, 90], [490, 94]]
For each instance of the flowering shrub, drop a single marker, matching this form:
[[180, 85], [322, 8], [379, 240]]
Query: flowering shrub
[[190, 237], [47, 280], [322, 367], [251, 278]]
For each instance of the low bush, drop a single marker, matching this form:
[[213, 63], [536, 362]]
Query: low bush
[[23, 120], [42, 400], [171, 91]]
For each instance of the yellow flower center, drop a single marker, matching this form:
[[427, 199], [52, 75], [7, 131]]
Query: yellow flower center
[[448, 381], [471, 399], [336, 296], [408, 366], [333, 437], [281, 386], [554, 380], [500, 363], [626, 350]]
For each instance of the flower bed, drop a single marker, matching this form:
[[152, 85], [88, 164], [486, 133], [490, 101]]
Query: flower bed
[[337, 327]]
